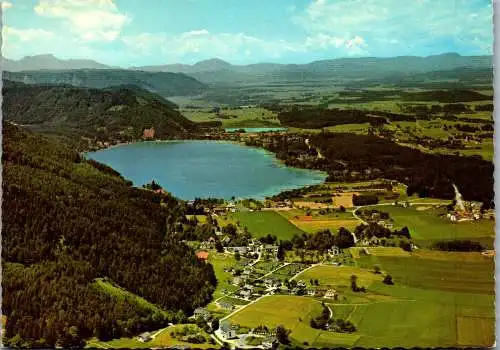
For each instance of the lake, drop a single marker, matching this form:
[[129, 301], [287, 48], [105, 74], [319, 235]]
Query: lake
[[190, 169]]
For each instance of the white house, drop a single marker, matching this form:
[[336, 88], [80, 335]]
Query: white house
[[144, 337], [227, 330], [330, 293]]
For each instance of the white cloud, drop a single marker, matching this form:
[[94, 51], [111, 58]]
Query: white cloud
[[406, 23], [223, 45], [6, 5], [26, 35], [90, 20]]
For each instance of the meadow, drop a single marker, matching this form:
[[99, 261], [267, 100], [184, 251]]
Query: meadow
[[262, 223]]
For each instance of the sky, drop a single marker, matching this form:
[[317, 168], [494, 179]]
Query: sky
[[152, 32]]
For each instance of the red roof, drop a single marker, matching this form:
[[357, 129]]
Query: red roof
[[306, 218], [203, 255]]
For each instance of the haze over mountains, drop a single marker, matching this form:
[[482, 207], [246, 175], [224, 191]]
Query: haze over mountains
[[219, 71]]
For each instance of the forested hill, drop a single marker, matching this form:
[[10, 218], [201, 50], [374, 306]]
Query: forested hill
[[162, 83], [116, 113], [67, 221]]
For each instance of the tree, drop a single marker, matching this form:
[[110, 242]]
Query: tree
[[342, 209], [388, 280], [343, 239], [215, 324], [219, 247], [282, 334], [376, 269], [237, 256], [354, 285], [281, 252]]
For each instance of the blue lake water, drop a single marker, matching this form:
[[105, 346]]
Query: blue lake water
[[190, 169], [256, 129]]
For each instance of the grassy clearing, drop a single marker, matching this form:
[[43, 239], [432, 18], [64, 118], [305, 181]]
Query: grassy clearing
[[262, 223], [120, 293], [220, 261]]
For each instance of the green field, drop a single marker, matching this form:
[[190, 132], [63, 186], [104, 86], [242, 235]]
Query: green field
[[294, 313], [426, 225], [262, 223], [219, 262]]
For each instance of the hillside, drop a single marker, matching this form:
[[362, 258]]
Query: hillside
[[118, 113], [163, 84], [68, 222]]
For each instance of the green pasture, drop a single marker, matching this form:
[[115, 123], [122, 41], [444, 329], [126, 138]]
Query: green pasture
[[262, 223]]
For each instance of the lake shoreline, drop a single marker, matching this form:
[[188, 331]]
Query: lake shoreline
[[267, 192]]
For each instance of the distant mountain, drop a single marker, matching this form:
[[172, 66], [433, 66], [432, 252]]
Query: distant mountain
[[218, 71], [202, 66], [117, 113], [48, 61], [164, 84]]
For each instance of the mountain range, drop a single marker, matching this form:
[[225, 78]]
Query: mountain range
[[219, 71]]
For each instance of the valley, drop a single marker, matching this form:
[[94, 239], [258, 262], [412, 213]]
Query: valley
[[322, 205]]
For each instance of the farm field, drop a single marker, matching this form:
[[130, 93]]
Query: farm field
[[331, 221], [454, 274], [233, 118], [437, 299], [425, 226], [274, 310], [339, 276], [262, 223], [332, 224]]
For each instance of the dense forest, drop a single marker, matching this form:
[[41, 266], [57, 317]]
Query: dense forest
[[67, 221], [349, 157], [163, 83], [119, 113]]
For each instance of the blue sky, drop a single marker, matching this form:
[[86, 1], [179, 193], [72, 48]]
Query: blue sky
[[150, 32]]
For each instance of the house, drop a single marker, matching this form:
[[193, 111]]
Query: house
[[144, 337], [301, 284], [202, 255], [311, 292], [246, 294], [225, 305], [148, 133], [249, 287], [227, 330], [201, 313], [237, 280], [334, 251], [330, 293]]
